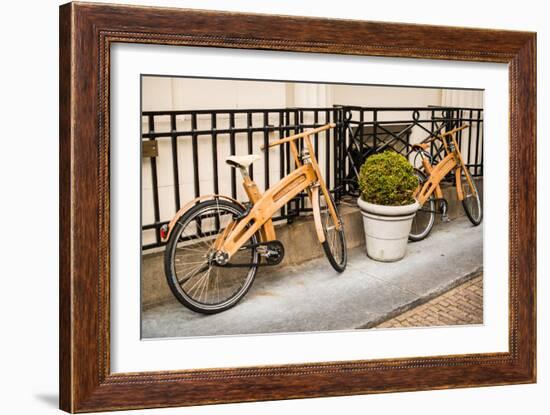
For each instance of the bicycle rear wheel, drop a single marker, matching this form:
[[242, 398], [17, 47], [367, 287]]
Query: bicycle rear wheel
[[424, 219], [194, 277], [335, 239], [471, 201]]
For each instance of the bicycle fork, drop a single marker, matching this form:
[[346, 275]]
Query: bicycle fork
[[443, 205]]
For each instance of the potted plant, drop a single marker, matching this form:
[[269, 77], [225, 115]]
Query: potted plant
[[387, 183]]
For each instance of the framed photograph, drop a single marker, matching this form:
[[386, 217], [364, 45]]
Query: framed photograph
[[207, 153], [258, 207]]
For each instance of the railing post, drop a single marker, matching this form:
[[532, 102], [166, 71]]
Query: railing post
[[154, 182], [336, 160], [458, 124], [214, 125], [175, 168], [282, 154], [327, 150], [361, 131], [375, 130], [288, 207], [477, 142], [341, 140], [432, 130], [250, 141], [232, 152], [266, 145], [195, 150], [469, 157], [316, 136]]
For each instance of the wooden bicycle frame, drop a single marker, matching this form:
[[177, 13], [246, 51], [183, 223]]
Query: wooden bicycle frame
[[453, 160], [307, 177]]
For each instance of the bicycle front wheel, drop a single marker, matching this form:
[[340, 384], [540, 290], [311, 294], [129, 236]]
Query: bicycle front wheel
[[195, 279], [471, 201], [424, 219], [335, 239]]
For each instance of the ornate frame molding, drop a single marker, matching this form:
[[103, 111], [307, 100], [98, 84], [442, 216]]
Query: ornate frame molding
[[86, 33]]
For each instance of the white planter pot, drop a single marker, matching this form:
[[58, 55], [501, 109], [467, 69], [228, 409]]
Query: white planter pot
[[387, 229]]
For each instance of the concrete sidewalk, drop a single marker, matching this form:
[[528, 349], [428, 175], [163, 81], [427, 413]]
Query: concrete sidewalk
[[314, 297], [458, 306]]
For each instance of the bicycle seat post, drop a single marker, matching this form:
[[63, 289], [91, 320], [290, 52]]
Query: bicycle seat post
[[250, 186], [244, 173]]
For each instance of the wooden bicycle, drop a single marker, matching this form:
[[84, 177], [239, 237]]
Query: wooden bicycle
[[430, 182], [216, 244]]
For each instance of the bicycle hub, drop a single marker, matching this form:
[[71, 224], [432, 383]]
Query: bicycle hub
[[221, 258]]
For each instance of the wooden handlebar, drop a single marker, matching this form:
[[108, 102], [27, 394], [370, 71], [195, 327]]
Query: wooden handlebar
[[298, 136], [454, 130], [445, 134]]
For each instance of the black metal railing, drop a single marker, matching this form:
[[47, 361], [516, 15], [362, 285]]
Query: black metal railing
[[222, 133], [191, 147], [371, 130]]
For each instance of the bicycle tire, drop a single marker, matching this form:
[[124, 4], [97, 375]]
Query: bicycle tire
[[174, 281], [424, 218], [470, 208], [335, 242]]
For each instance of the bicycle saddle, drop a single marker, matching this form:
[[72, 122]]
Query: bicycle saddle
[[242, 161]]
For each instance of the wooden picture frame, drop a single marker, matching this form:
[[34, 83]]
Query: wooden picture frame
[[86, 33]]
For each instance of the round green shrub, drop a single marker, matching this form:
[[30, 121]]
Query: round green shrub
[[387, 179]]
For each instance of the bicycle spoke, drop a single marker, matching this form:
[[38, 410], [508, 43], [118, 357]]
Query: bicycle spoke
[[218, 285], [199, 241], [191, 249], [188, 276], [186, 265], [199, 281], [205, 286], [194, 268], [219, 224], [203, 241]]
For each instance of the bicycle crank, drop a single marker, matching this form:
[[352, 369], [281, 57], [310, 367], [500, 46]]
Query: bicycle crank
[[272, 251], [444, 206]]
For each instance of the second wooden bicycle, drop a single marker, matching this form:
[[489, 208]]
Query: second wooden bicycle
[[429, 190], [216, 244]]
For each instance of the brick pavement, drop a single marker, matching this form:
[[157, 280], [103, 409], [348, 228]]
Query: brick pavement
[[460, 305]]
